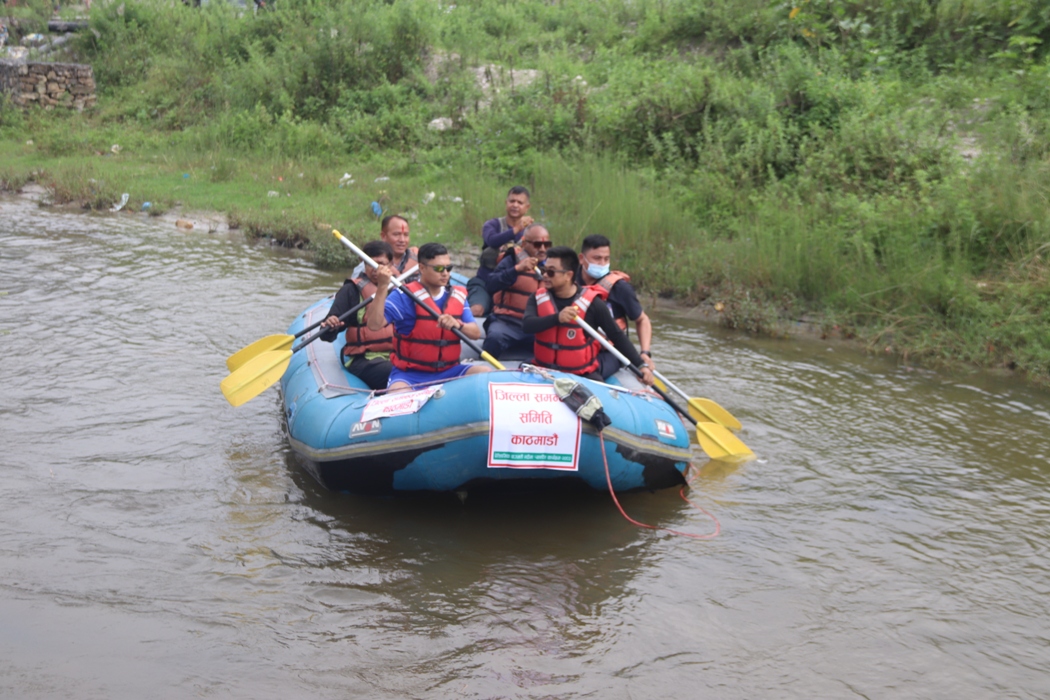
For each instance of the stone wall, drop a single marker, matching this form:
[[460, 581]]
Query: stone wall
[[48, 84]]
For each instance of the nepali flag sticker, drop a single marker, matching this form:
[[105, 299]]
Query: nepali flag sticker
[[665, 429]]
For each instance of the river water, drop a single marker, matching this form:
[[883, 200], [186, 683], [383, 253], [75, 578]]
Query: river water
[[890, 541]]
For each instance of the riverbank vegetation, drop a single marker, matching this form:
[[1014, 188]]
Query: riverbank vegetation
[[883, 165]]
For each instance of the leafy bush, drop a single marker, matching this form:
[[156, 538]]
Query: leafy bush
[[868, 156]]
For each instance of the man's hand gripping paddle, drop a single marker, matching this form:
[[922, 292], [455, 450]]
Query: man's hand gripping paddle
[[714, 439], [261, 371]]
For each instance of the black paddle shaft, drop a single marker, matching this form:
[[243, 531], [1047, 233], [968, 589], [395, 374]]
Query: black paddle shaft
[[342, 318], [662, 393]]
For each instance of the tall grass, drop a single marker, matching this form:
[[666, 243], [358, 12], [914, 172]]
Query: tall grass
[[874, 159]]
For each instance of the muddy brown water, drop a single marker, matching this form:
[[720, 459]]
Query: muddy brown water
[[891, 541]]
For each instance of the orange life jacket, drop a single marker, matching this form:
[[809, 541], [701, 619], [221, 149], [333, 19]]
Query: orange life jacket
[[429, 347], [511, 301], [604, 287], [365, 286], [566, 346], [359, 339]]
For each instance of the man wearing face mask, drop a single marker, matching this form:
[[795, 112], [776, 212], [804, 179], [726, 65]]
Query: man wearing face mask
[[515, 279], [615, 287]]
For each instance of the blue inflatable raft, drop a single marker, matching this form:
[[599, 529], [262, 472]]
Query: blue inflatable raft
[[471, 434]]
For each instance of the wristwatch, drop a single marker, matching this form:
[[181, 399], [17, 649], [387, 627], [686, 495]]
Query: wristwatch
[[647, 354]]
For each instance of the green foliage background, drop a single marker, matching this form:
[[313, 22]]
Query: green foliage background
[[884, 162]]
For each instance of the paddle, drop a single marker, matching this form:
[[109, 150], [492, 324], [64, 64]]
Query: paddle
[[270, 342], [276, 342], [433, 314], [702, 409], [259, 373], [714, 439]]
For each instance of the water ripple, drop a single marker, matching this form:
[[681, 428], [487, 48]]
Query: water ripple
[[890, 540]]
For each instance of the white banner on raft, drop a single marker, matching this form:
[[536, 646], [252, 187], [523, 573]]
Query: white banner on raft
[[400, 404], [530, 428]]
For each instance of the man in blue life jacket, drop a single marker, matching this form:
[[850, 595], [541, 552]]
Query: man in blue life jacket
[[425, 349], [366, 353], [495, 234], [516, 278], [615, 288]]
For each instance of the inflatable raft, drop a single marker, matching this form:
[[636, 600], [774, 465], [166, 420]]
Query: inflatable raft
[[496, 431]]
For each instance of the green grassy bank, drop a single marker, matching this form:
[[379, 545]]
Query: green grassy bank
[[882, 164]]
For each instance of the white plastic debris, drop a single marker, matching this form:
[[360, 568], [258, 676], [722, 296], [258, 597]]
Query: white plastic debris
[[121, 203], [272, 193], [428, 197], [115, 149], [440, 124], [383, 179], [346, 179]]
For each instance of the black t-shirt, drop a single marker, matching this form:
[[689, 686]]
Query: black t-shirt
[[598, 317], [346, 298], [623, 301]]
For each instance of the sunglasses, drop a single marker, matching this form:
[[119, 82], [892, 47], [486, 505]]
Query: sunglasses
[[441, 268], [541, 244], [550, 272]]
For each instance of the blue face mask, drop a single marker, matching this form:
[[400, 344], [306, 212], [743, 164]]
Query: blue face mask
[[597, 271]]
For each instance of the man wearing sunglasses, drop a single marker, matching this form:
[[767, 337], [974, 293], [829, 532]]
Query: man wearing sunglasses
[[425, 349], [515, 279], [551, 314]]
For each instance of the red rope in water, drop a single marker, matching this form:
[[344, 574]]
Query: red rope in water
[[608, 480]]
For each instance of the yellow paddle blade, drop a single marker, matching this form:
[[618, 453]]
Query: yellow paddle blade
[[255, 376], [267, 344], [721, 444], [706, 410]]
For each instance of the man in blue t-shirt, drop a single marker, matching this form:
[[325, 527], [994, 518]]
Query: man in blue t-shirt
[[425, 349]]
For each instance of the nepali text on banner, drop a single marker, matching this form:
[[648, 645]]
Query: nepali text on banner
[[530, 428]]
